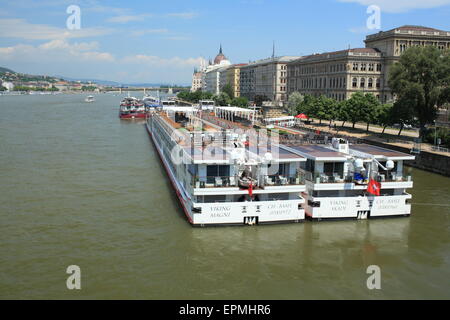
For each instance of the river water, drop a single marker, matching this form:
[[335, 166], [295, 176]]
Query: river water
[[80, 187]]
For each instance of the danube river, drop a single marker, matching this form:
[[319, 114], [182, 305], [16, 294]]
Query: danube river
[[80, 187]]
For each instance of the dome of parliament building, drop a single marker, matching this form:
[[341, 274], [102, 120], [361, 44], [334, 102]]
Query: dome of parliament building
[[220, 57]]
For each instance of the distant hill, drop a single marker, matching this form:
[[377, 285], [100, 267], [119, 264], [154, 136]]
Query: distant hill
[[113, 83], [100, 82], [4, 70]]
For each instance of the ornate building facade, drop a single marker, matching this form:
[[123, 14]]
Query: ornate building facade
[[196, 81], [211, 74], [337, 74], [342, 73]]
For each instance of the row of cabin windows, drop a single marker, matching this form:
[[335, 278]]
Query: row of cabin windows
[[329, 168], [213, 171]]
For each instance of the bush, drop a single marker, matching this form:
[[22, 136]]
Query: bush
[[442, 133], [240, 102]]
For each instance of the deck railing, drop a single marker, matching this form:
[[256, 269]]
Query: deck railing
[[261, 182], [350, 177]]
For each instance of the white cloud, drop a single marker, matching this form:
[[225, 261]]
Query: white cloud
[[396, 6], [178, 38], [166, 62], [106, 9], [142, 32], [19, 28], [129, 18], [183, 15], [86, 60], [361, 30], [62, 44], [55, 51]]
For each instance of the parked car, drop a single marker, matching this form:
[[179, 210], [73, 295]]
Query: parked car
[[405, 126]]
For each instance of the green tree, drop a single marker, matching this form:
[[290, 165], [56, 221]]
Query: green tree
[[331, 108], [354, 106], [422, 77], [294, 102], [403, 111], [258, 100], [342, 112], [228, 89], [206, 96], [385, 116], [222, 99], [369, 109], [241, 102], [307, 106]]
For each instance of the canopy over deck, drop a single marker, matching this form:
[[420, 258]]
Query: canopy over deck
[[229, 113]]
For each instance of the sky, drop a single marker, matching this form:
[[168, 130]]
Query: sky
[[163, 41]]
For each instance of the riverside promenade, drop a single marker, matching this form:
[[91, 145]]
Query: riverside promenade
[[427, 158]]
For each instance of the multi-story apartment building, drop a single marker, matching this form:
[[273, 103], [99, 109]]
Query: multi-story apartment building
[[196, 81], [267, 78], [231, 75], [337, 74], [342, 73]]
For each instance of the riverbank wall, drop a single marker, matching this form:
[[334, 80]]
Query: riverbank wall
[[427, 161]]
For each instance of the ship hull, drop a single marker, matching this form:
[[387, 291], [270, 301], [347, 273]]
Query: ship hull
[[131, 116], [232, 214]]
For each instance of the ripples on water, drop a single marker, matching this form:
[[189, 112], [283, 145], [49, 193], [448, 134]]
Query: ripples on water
[[79, 186]]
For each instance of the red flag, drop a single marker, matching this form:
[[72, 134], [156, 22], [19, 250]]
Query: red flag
[[250, 189], [374, 188]]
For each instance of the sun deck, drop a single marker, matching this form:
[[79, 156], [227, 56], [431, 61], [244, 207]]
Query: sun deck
[[381, 153], [316, 152]]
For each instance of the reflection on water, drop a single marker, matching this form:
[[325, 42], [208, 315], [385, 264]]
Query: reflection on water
[[79, 186]]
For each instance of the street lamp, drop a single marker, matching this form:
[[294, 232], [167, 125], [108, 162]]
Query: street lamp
[[435, 133]]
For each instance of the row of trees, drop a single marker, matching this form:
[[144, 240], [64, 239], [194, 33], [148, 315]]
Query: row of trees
[[420, 81], [359, 108], [25, 88]]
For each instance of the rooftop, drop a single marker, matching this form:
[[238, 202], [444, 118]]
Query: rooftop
[[381, 153], [282, 59], [412, 30], [317, 152], [340, 53]]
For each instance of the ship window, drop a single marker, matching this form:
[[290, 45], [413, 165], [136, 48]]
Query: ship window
[[192, 168], [330, 168], [310, 164], [283, 169], [218, 171]]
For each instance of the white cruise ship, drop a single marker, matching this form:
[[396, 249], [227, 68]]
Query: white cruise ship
[[223, 178], [225, 173], [339, 177]]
